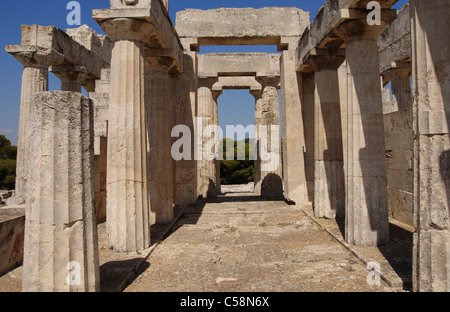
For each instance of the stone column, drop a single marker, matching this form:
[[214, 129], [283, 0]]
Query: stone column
[[401, 86], [294, 176], [216, 94], [258, 115], [306, 81], [367, 222], [71, 78], [160, 127], [431, 84], [61, 252], [271, 169], [207, 170], [186, 103], [329, 191], [128, 202], [34, 79]]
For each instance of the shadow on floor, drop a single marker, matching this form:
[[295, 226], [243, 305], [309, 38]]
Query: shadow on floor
[[115, 275]]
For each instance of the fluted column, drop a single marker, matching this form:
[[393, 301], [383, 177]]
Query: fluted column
[[207, 169], [257, 163], [271, 169], [431, 84], [160, 122], [61, 252], [34, 79], [367, 222], [329, 192], [216, 94], [128, 202]]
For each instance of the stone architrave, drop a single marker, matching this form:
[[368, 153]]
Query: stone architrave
[[61, 252], [128, 202], [431, 84]]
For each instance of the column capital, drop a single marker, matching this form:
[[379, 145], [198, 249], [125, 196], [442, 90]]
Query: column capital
[[269, 81], [207, 82], [329, 60], [129, 29], [73, 73], [401, 72], [160, 64], [216, 94], [257, 94], [359, 28]]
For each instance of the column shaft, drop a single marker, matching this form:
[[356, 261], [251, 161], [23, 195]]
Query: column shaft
[[431, 67], [207, 171], [329, 192], [294, 175], [61, 252], [161, 161], [366, 201], [128, 205], [34, 79]]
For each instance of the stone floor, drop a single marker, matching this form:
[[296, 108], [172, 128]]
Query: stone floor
[[239, 242]]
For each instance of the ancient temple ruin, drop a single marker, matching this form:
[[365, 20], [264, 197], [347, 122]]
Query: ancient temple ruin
[[350, 148]]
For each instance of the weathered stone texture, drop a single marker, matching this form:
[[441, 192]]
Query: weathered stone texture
[[60, 224]]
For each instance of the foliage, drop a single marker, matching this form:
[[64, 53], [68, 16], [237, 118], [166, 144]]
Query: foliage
[[236, 171], [8, 155]]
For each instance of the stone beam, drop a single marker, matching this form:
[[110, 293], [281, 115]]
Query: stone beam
[[237, 83], [163, 37], [55, 41], [395, 42], [323, 32], [238, 64], [241, 26]]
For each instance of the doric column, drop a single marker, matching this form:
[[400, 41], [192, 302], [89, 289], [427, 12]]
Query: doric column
[[70, 76], [61, 252], [160, 126], [216, 94], [128, 202], [431, 84], [271, 169], [207, 169], [257, 163], [329, 191], [34, 79], [367, 222], [293, 135], [401, 86]]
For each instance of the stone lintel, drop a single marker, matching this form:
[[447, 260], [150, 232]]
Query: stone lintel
[[239, 64], [35, 56]]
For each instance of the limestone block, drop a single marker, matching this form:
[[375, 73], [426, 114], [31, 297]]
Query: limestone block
[[60, 229], [400, 205], [241, 25], [99, 44], [11, 240]]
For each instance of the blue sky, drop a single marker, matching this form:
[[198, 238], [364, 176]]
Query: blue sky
[[235, 107]]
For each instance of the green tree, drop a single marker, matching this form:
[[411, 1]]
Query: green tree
[[236, 171], [8, 155]]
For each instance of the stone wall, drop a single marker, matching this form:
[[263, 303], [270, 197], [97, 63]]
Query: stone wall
[[12, 222]]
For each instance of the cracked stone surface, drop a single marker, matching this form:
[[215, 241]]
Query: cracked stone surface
[[239, 242]]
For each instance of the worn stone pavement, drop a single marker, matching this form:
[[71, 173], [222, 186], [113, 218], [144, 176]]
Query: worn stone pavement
[[239, 242]]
